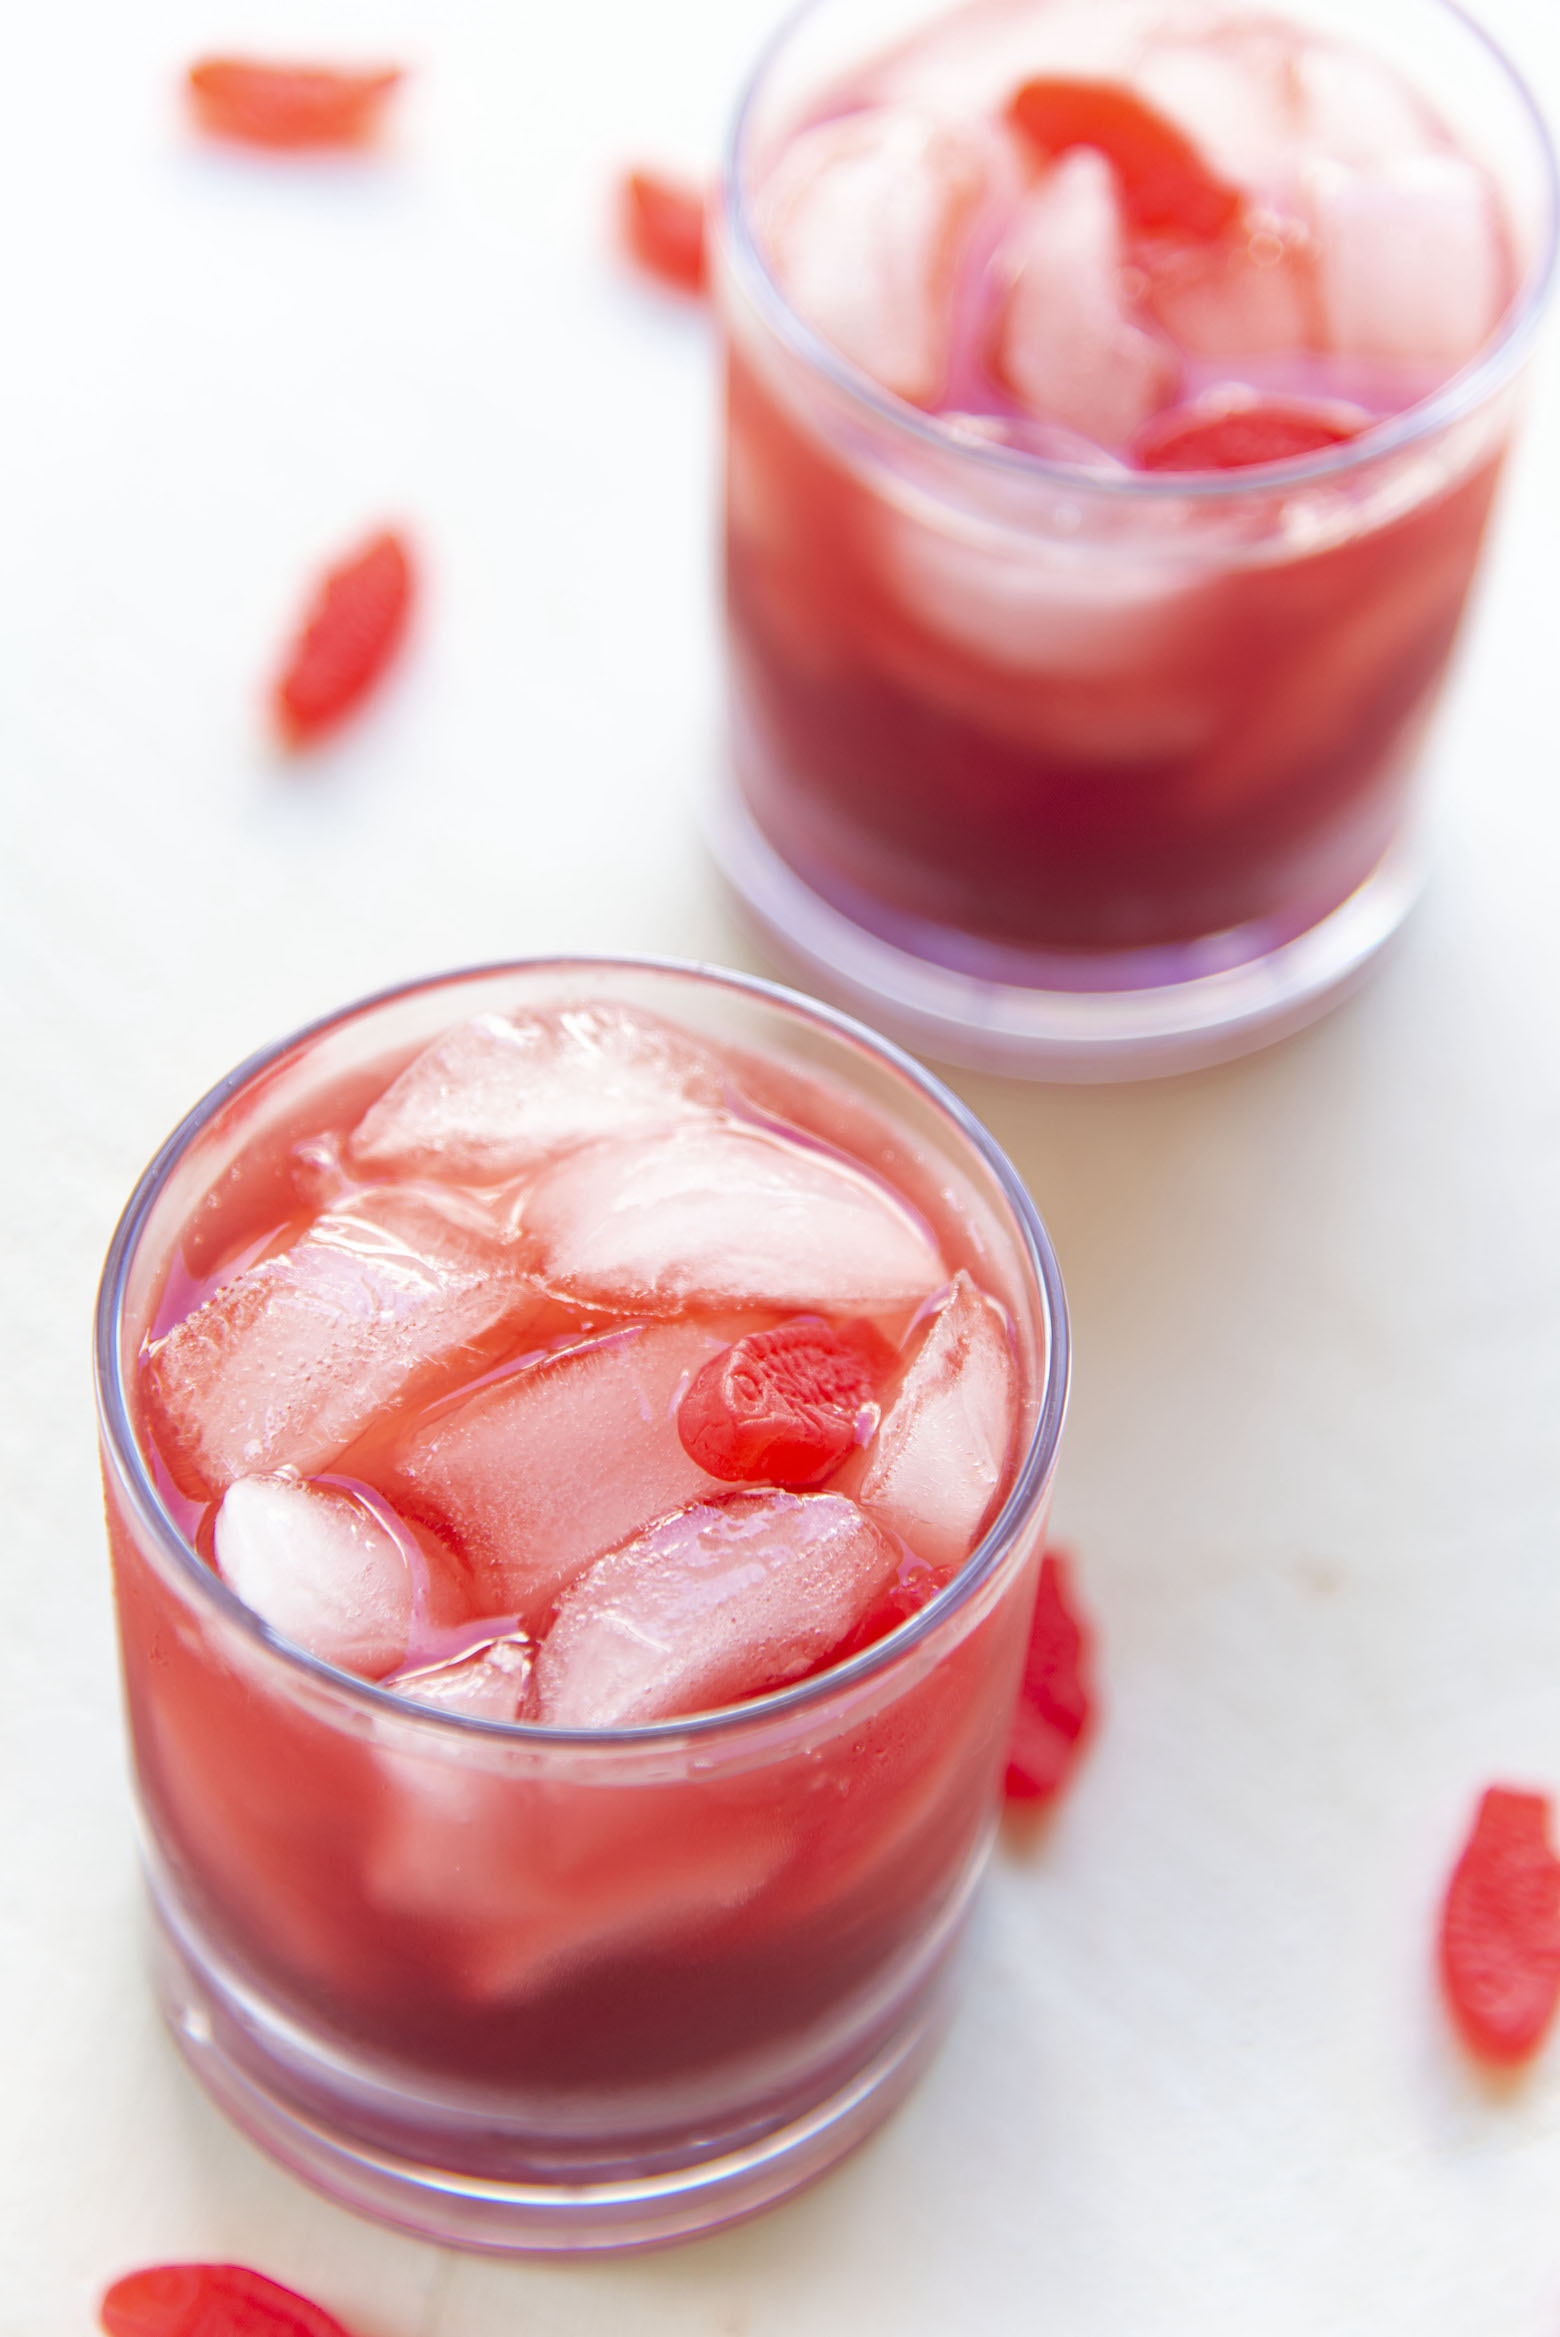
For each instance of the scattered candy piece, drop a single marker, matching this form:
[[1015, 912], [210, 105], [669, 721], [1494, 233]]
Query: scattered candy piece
[[1500, 1928], [209, 2300], [663, 224], [1267, 430], [290, 106], [1166, 187], [350, 635], [1054, 1703], [779, 1407]]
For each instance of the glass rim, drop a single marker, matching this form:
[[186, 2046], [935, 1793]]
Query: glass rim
[[1493, 365], [1030, 1483]]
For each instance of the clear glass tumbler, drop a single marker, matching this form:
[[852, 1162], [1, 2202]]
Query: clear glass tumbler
[[524, 1988], [1089, 773]]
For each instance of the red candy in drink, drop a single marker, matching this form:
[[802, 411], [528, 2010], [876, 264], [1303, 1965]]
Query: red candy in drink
[[1268, 430], [781, 1407], [210, 2300], [1500, 1928], [663, 222], [353, 628], [1054, 1702], [288, 106], [1166, 185]]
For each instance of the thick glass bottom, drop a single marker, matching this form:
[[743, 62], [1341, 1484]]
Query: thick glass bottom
[[277, 2085], [1067, 1015]]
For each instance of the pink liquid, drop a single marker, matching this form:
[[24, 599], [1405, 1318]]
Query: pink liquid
[[986, 714], [605, 1958]]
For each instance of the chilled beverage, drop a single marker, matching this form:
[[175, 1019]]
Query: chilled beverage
[[1117, 391], [576, 1442]]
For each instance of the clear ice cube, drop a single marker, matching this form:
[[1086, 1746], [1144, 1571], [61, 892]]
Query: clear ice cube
[[1411, 264], [1356, 109], [490, 1681], [537, 1473], [863, 219], [492, 1097], [1066, 344], [710, 1605], [286, 1364], [515, 1884], [943, 1449], [1251, 297], [321, 1567], [726, 1214]]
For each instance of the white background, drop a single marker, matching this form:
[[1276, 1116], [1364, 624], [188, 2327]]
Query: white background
[[1202, 2083]]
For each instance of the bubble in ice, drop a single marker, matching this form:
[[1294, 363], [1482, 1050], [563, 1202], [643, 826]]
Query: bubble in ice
[[1066, 345], [1411, 264], [943, 1450], [288, 1362], [726, 1213], [863, 219], [713, 1604], [321, 1567], [490, 1098], [537, 1473]]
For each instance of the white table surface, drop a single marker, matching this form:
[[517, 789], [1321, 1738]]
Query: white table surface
[[1202, 2083]]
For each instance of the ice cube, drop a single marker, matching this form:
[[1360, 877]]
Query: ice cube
[[1411, 262], [487, 1682], [726, 1214], [973, 59], [289, 1362], [1232, 92], [1251, 297], [1066, 345], [495, 1095], [321, 1567], [1356, 109], [514, 1883], [537, 1473], [726, 1598], [863, 220], [942, 1452]]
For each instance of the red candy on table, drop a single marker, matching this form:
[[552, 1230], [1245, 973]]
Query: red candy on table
[[1268, 430], [1500, 1928], [1166, 186], [778, 1407], [1054, 1701], [351, 632], [663, 223], [210, 2300], [288, 106]]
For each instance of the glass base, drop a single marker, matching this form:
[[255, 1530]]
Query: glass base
[[249, 2064], [1132, 1015]]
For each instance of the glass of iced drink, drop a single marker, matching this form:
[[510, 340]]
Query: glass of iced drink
[[577, 1440], [1117, 391]]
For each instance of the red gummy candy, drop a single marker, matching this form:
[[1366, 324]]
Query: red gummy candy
[[1166, 187], [210, 2300], [1269, 430], [351, 632], [778, 1407], [1500, 1928], [663, 223], [1054, 1703], [288, 105]]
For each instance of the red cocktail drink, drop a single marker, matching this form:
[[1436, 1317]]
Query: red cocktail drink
[[577, 1442], [1116, 397]]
